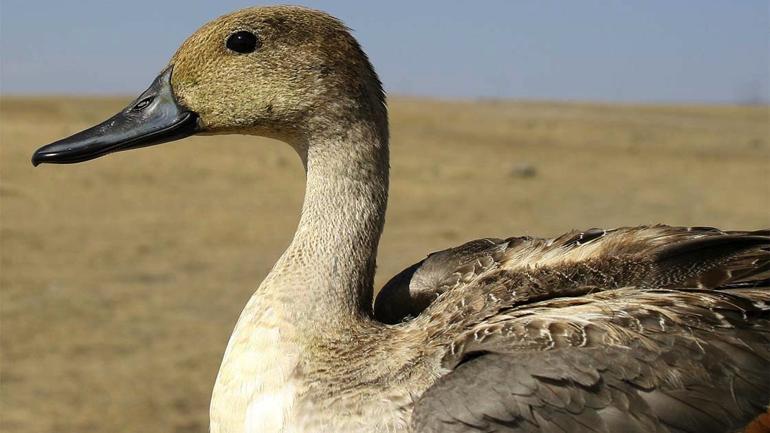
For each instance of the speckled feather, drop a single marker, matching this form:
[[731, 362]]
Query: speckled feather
[[630, 256], [619, 360], [532, 342]]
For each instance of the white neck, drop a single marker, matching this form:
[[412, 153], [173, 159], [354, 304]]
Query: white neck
[[321, 287], [326, 275]]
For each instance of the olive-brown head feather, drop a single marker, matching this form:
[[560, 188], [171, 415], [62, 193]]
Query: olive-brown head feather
[[306, 70]]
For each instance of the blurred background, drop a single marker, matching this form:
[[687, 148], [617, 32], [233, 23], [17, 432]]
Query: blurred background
[[122, 278]]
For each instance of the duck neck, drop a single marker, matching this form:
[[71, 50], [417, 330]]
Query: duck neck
[[324, 280]]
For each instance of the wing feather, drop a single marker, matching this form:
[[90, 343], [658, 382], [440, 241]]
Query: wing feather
[[659, 329], [653, 257], [695, 373]]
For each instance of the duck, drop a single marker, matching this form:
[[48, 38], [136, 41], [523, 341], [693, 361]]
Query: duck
[[635, 329]]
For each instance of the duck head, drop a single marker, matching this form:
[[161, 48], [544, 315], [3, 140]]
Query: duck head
[[282, 72]]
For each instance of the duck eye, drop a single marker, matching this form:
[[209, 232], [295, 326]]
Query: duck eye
[[243, 42]]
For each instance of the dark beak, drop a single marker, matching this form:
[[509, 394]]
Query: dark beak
[[154, 117]]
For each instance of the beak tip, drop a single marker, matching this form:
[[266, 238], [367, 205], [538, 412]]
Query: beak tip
[[40, 157]]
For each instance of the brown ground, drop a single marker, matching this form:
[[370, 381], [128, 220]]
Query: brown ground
[[122, 277]]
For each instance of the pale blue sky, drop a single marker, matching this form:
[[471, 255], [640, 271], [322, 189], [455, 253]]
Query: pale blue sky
[[623, 50]]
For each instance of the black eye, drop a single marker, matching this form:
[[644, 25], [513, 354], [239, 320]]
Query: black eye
[[243, 42]]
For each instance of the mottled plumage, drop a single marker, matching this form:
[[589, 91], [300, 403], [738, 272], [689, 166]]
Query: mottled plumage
[[619, 339], [629, 256], [641, 329]]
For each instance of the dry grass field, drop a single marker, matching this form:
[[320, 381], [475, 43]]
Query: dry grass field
[[123, 277]]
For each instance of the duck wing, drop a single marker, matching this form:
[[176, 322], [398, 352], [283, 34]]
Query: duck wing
[[623, 343], [407, 294], [624, 360], [626, 250]]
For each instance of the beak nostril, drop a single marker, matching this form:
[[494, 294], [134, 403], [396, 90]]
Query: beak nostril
[[141, 105]]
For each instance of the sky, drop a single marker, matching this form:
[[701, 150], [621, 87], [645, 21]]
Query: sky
[[672, 51]]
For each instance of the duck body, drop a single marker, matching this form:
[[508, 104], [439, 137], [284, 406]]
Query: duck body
[[658, 328], [632, 329]]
